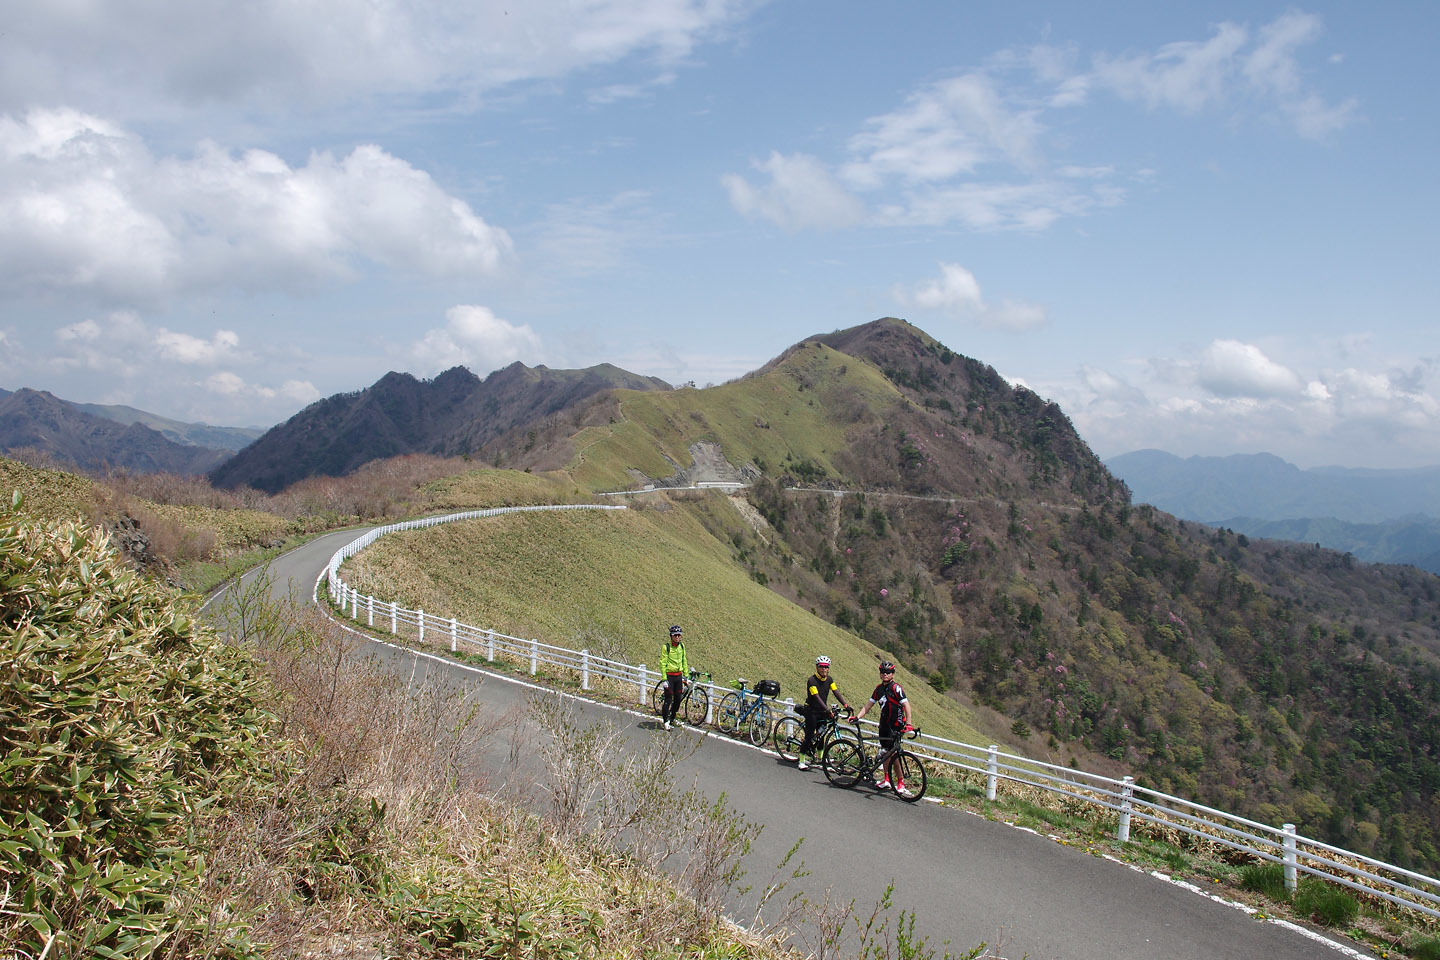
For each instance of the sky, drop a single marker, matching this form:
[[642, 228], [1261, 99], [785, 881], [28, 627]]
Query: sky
[[1204, 228]]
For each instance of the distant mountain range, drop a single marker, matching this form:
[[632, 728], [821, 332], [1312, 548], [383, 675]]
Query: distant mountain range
[[455, 414], [185, 434], [1380, 516], [94, 437]]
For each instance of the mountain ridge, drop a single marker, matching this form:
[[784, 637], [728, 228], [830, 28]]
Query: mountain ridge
[[454, 414], [39, 421], [1266, 487]]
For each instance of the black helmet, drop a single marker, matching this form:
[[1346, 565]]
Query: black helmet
[[675, 631], [886, 666]]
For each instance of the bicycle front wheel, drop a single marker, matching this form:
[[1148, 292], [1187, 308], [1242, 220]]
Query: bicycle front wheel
[[727, 713], [909, 771], [760, 723], [697, 705], [789, 735], [843, 763], [657, 698]]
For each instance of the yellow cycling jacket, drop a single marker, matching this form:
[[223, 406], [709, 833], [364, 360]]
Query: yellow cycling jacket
[[672, 659]]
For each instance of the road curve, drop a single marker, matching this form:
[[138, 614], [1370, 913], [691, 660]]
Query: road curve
[[967, 879]]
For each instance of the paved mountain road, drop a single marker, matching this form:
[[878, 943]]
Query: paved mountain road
[[967, 879]]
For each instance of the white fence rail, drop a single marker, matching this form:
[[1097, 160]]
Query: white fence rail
[[1130, 801]]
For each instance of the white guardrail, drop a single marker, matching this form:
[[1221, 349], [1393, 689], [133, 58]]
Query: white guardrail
[[1129, 800]]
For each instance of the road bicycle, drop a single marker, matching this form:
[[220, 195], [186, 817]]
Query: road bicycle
[[789, 733], [846, 762], [748, 710], [694, 699]]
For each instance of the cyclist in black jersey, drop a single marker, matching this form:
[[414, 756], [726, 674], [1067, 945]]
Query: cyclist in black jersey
[[894, 716], [817, 707]]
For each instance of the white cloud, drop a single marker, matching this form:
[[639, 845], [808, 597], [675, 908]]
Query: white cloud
[[943, 131], [1230, 70], [1186, 75], [84, 206], [1352, 416], [1229, 368], [276, 55], [956, 293], [232, 385], [183, 348], [801, 194], [122, 342], [970, 149], [474, 337], [580, 239]]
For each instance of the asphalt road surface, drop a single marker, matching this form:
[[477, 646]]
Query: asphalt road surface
[[966, 879]]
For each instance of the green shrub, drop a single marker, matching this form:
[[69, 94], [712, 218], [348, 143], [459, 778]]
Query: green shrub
[[1427, 949], [121, 721], [1265, 878], [1325, 903]]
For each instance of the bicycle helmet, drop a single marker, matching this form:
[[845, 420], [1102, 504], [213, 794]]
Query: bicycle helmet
[[886, 666], [675, 631], [822, 661]]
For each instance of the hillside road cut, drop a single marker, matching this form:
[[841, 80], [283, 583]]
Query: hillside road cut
[[966, 879]]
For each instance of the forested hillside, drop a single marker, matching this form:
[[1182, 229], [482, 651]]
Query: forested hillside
[[963, 522]]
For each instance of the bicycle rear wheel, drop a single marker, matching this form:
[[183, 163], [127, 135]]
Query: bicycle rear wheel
[[727, 713], [789, 735], [697, 705], [657, 698], [760, 724], [843, 763], [908, 770]]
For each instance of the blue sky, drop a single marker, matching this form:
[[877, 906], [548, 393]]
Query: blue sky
[[1209, 229]]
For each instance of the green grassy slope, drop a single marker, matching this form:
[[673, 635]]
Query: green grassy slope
[[612, 582], [799, 411]]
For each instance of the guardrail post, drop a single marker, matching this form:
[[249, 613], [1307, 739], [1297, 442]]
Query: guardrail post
[[453, 637], [534, 655], [644, 682], [490, 645], [993, 772], [584, 669], [1127, 793], [1291, 858], [420, 620], [394, 627], [355, 603], [370, 610]]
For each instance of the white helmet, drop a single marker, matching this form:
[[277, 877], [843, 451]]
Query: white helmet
[[822, 661]]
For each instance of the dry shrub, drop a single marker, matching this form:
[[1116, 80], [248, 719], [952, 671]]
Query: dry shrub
[[169, 488], [168, 538], [612, 793], [386, 836]]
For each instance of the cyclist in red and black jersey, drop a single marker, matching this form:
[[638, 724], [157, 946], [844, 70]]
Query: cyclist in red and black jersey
[[894, 716]]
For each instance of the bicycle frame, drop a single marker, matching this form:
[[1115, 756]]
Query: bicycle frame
[[694, 698], [745, 709], [846, 762]]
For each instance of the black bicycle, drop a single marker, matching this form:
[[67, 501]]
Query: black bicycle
[[846, 762], [694, 699], [789, 733]]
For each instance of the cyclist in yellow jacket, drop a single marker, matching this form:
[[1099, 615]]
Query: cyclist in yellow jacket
[[676, 668], [817, 708]]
